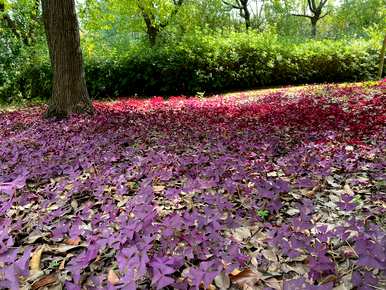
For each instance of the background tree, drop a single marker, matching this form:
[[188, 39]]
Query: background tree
[[278, 17], [25, 23], [382, 58], [153, 17], [127, 17], [196, 16], [69, 92], [353, 17], [316, 11], [259, 18], [242, 7]]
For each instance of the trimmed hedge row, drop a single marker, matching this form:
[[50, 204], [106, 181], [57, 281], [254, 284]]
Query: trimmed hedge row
[[213, 64]]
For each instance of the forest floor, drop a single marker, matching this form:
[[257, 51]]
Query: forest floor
[[276, 189]]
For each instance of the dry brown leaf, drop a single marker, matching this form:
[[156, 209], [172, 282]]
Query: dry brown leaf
[[211, 287], [56, 286], [274, 283], [222, 281], [348, 189], [62, 264], [311, 193], [293, 211], [122, 202], [73, 242], [32, 238], [246, 277], [273, 267], [272, 174], [158, 188], [328, 279], [269, 255], [247, 287], [34, 263], [241, 233], [235, 272], [300, 258], [254, 262], [45, 281], [113, 278], [298, 268], [61, 249], [331, 181], [347, 281], [64, 261], [341, 287]]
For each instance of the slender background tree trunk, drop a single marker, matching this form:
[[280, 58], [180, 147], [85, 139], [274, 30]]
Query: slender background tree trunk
[[69, 92], [247, 16], [152, 33], [313, 27], [382, 59]]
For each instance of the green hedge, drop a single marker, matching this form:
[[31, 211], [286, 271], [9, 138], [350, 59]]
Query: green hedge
[[216, 64]]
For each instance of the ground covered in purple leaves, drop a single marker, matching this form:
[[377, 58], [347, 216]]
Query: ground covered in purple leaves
[[282, 191]]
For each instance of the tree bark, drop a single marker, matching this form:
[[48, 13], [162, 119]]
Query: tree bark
[[242, 6], [314, 22], [382, 59], [152, 33], [69, 91], [247, 15]]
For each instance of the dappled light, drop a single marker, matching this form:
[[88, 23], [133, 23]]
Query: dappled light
[[284, 189]]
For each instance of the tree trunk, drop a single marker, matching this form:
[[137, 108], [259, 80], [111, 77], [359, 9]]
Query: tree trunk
[[69, 91], [313, 27], [247, 16], [382, 59], [152, 33]]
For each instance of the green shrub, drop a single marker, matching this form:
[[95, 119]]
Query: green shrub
[[24, 72], [213, 63]]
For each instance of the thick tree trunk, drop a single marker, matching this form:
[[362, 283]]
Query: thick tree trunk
[[69, 91]]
